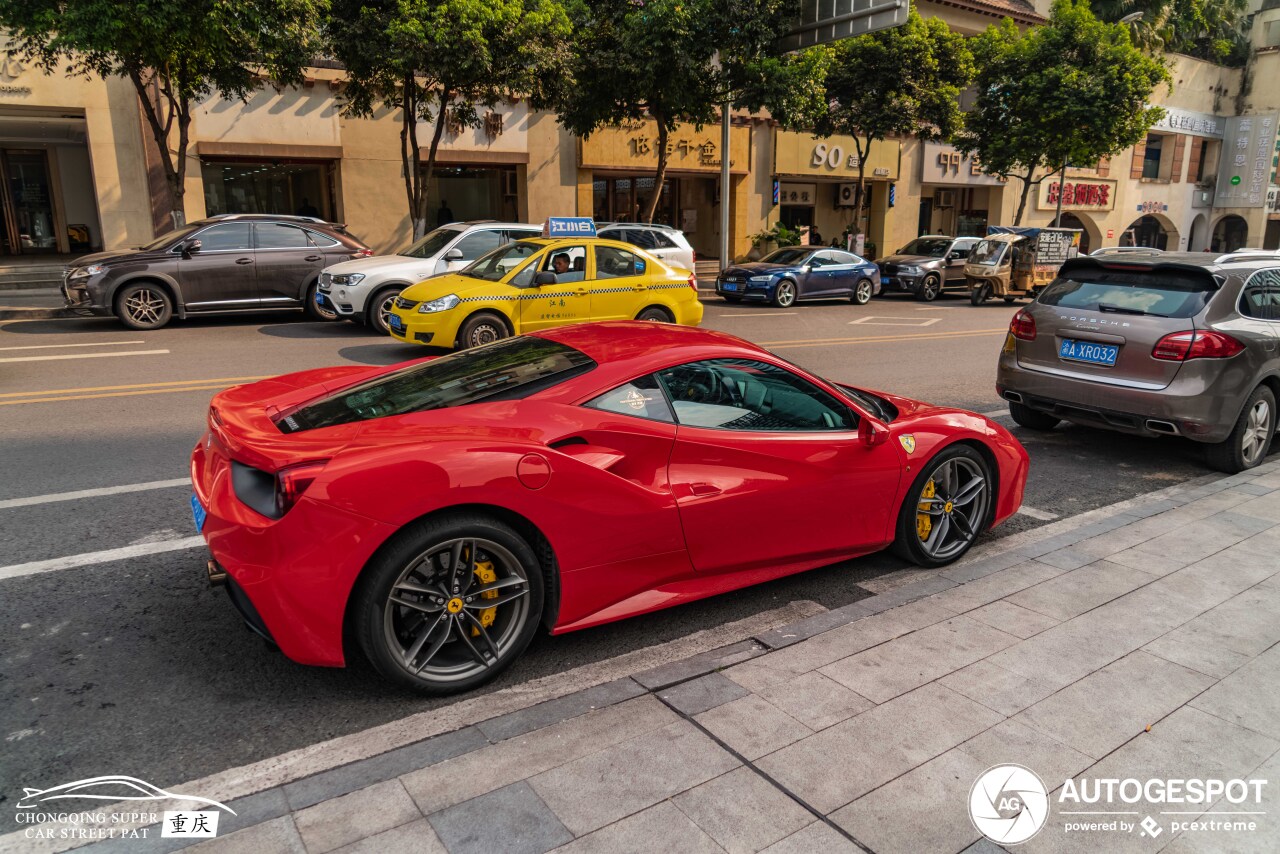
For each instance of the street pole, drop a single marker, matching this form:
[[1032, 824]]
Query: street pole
[[1062, 180], [724, 186]]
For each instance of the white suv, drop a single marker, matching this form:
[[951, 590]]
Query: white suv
[[666, 242], [362, 290]]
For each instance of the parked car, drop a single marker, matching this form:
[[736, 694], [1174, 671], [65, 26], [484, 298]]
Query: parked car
[[434, 516], [223, 264], [1168, 344], [801, 272], [928, 265], [540, 283], [664, 242]]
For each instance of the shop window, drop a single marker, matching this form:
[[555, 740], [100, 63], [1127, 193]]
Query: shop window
[[267, 187], [1207, 167], [1151, 160]]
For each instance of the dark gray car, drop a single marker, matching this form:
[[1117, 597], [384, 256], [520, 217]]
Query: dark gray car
[[1181, 344], [927, 266], [231, 263]]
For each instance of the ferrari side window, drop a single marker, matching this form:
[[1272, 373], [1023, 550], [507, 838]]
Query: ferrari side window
[[743, 394], [641, 397]]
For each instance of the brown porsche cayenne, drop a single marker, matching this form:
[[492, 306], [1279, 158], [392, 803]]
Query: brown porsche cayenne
[[228, 263], [1158, 344]]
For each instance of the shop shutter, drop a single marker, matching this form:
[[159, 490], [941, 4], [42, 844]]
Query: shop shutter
[[1180, 142], [1139, 154]]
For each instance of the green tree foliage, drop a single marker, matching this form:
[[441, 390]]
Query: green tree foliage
[[675, 61], [438, 61], [177, 53], [1214, 30], [902, 81], [1075, 90]]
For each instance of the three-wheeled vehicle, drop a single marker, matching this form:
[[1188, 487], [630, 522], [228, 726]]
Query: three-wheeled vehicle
[[1017, 261]]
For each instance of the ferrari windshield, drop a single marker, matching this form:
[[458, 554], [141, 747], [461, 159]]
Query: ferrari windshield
[[505, 370], [931, 247]]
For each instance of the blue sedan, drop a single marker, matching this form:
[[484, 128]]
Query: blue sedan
[[801, 272]]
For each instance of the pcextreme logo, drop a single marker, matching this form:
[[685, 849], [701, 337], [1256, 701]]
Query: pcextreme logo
[[59, 812]]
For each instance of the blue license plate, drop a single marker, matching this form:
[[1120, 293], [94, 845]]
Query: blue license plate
[[396, 323], [198, 514], [319, 298], [729, 286], [1088, 351]]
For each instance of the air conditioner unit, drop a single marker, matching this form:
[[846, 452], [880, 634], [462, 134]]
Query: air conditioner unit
[[846, 195], [944, 198]]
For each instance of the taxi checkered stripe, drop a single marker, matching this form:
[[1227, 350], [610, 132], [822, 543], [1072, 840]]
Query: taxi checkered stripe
[[563, 294]]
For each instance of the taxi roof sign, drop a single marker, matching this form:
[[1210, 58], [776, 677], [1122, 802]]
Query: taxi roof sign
[[569, 226]]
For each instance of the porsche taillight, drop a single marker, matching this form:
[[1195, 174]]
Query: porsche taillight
[[292, 482], [1207, 344], [1023, 326]]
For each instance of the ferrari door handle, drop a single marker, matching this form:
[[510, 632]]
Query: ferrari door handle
[[314, 257], [244, 260], [704, 489]]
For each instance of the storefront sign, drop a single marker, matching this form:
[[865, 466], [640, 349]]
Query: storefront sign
[[1190, 122], [1273, 199], [1246, 161], [1092, 195], [799, 194], [634, 145], [835, 156], [1152, 207], [943, 164]]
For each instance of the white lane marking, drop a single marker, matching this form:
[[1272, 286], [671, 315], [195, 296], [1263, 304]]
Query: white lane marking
[[83, 356], [305, 761], [18, 570], [889, 320], [995, 413], [61, 346], [93, 493], [1042, 515], [936, 308], [760, 314]]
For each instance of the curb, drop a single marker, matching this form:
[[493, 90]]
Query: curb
[[34, 313]]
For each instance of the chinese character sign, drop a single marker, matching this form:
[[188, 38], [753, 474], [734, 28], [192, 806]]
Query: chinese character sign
[[1245, 171], [1078, 195]]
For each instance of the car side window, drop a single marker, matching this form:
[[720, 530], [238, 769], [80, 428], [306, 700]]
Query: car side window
[[642, 398], [514, 234], [477, 243], [615, 263], [573, 267], [820, 259], [226, 237], [321, 240], [641, 237], [660, 240], [275, 235], [743, 394], [1260, 298]]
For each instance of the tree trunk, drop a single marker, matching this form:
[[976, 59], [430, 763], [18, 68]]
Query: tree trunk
[[431, 153], [410, 159], [661, 176], [862, 188], [155, 93], [1062, 182], [1022, 201]]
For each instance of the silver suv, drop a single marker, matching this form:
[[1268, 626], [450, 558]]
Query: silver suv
[[664, 241], [1156, 343]]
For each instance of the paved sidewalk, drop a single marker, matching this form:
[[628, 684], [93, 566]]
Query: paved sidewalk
[[1141, 646]]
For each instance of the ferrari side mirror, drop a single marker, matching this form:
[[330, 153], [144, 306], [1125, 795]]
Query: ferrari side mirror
[[871, 433]]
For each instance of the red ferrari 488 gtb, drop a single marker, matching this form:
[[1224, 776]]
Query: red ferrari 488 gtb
[[436, 513]]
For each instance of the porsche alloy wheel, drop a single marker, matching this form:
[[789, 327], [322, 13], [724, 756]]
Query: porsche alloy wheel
[[451, 606], [948, 506]]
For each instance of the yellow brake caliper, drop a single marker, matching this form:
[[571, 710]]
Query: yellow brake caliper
[[924, 524], [486, 575]]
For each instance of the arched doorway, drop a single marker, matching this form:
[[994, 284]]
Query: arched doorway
[[1090, 238], [1231, 233], [1198, 238], [1150, 230]]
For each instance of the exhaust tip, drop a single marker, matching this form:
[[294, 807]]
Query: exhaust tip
[[1164, 427], [217, 575], [1014, 396]]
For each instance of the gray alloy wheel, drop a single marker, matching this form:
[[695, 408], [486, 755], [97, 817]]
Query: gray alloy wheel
[[862, 292], [948, 506], [929, 289], [481, 329], [144, 306], [785, 294], [379, 310]]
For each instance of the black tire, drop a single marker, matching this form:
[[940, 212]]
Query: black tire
[[145, 305], [1009, 299], [459, 660], [957, 520], [980, 294], [1032, 419], [862, 292], [483, 327], [784, 295], [1250, 438], [315, 311], [656, 314], [929, 289], [376, 307]]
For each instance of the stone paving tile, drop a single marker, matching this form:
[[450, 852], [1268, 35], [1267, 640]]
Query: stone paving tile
[[376, 769], [456, 780], [995, 586], [559, 709], [1102, 711], [1251, 489], [1264, 840], [593, 791], [810, 626], [661, 827], [1249, 697], [1193, 542], [1265, 506], [907, 593], [752, 726], [1013, 742], [705, 692], [983, 566], [786, 664], [905, 663], [876, 746], [1072, 593], [816, 837], [1226, 637], [696, 665], [1012, 619], [816, 701], [984, 846], [1070, 538], [277, 835], [512, 819], [350, 818], [996, 688], [742, 811], [925, 809], [416, 837]]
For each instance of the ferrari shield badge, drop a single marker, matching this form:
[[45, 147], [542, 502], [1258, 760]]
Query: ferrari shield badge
[[908, 441]]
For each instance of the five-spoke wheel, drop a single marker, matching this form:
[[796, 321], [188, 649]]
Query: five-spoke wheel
[[948, 506], [144, 306]]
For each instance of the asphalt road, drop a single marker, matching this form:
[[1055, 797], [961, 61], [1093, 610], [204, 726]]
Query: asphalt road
[[135, 667]]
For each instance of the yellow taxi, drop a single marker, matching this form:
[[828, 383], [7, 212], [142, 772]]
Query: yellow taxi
[[540, 283]]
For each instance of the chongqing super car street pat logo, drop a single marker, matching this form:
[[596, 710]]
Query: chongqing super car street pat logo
[[1008, 804]]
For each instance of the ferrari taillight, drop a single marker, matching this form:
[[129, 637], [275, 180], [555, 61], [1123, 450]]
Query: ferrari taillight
[[291, 482]]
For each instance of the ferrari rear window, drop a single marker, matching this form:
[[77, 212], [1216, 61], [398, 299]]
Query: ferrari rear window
[[506, 370]]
